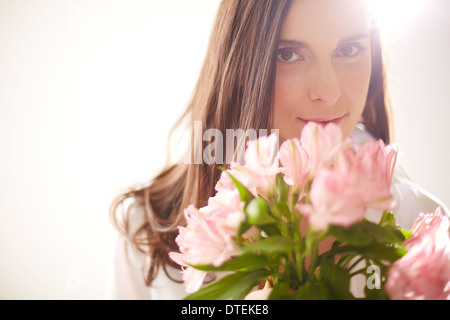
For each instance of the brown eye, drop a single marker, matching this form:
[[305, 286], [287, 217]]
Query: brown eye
[[288, 56], [350, 51]]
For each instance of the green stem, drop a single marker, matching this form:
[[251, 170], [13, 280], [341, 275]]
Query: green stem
[[314, 250], [293, 203], [354, 264], [343, 260], [307, 189], [276, 213], [383, 217]]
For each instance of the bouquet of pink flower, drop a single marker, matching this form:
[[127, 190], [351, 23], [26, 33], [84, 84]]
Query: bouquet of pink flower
[[295, 218]]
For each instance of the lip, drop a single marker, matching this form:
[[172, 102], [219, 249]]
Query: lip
[[324, 121]]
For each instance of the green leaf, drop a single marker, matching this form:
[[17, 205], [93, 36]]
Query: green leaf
[[306, 292], [314, 290], [281, 291], [337, 279], [406, 233], [248, 261], [277, 243], [388, 219], [375, 294], [258, 212], [244, 194], [282, 188], [243, 227], [270, 229], [236, 285], [365, 233], [378, 251], [284, 209]]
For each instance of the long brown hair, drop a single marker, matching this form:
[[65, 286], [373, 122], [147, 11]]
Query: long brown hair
[[234, 90]]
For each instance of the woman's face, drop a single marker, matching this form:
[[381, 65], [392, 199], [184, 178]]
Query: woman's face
[[323, 66]]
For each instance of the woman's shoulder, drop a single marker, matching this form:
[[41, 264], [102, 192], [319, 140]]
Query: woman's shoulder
[[412, 199], [126, 276]]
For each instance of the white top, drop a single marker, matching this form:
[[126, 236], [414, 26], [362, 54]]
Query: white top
[[125, 277]]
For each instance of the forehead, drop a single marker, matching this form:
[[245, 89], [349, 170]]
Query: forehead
[[321, 20]]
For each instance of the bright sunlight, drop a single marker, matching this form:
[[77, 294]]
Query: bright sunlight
[[393, 15]]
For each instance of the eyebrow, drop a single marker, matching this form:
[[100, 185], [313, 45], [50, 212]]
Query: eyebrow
[[301, 44]]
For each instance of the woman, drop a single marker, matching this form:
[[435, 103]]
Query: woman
[[274, 64]]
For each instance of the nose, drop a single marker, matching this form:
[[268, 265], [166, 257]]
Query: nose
[[324, 84]]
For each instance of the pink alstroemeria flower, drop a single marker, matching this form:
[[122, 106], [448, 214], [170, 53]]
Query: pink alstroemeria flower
[[423, 273], [335, 197], [376, 164], [224, 183], [295, 164], [317, 149], [258, 173], [206, 239], [226, 209], [323, 143], [192, 278], [341, 193]]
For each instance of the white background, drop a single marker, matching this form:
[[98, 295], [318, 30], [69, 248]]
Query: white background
[[88, 90]]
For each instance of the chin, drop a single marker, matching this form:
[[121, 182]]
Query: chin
[[347, 129]]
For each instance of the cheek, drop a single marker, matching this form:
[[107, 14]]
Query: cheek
[[355, 83], [289, 90]]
